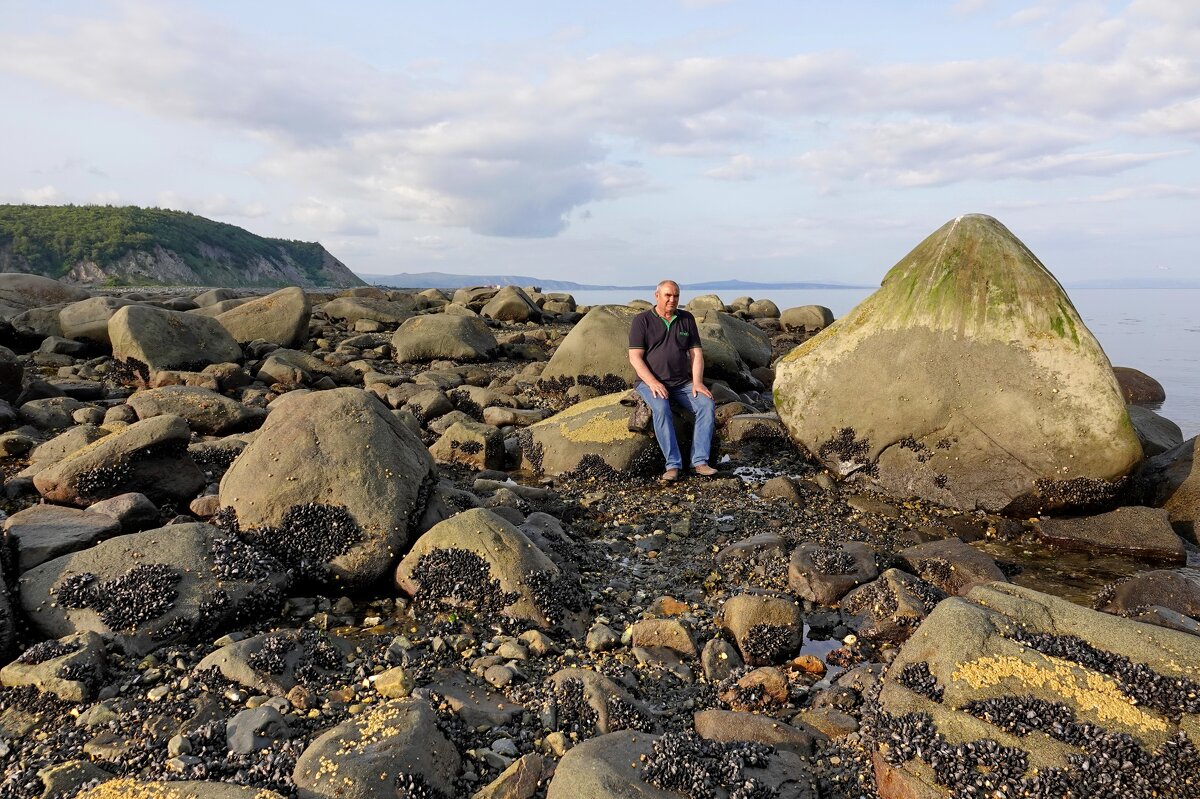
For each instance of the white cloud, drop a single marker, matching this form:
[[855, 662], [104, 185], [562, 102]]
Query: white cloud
[[505, 155], [218, 206], [43, 195], [317, 216], [106, 198], [739, 167]]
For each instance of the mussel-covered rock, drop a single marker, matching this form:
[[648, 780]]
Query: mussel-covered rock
[[144, 590], [332, 479], [1012, 692]]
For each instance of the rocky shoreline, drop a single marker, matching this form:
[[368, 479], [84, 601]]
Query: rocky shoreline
[[407, 544]]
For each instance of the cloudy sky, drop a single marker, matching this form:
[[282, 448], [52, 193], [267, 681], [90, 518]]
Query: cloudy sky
[[768, 140]]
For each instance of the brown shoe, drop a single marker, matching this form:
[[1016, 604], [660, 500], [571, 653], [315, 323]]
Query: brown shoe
[[669, 476], [704, 470]]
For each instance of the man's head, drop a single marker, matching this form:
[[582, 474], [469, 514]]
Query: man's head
[[666, 298]]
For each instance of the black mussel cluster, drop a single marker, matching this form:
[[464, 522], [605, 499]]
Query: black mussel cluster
[[453, 576], [570, 709], [696, 767], [832, 561], [917, 678], [769, 643], [142, 594], [48, 650]]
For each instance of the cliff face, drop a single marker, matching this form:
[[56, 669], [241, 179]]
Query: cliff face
[[166, 267], [136, 246]]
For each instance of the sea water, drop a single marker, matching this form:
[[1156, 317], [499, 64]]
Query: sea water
[[1154, 330]]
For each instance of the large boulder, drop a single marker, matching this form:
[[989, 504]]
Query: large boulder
[[88, 319], [1143, 533], [595, 353], [149, 457], [589, 435], [806, 317], [511, 304], [478, 559], [751, 343], [162, 339], [638, 765], [394, 749], [1016, 693], [443, 336], [1174, 484], [281, 318], [1157, 434], [20, 292], [352, 309], [1139, 388], [206, 412], [334, 479], [44, 532], [722, 361], [967, 379], [146, 590], [131, 788]]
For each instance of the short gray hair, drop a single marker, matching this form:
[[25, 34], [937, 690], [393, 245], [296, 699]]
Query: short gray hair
[[662, 283]]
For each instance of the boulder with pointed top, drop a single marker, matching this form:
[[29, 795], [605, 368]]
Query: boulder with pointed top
[[967, 379]]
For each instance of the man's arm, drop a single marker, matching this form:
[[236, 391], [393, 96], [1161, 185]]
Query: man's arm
[[698, 372], [637, 359]]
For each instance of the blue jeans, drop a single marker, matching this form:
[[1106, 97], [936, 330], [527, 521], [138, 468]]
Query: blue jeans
[[664, 427]]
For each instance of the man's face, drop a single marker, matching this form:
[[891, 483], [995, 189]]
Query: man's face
[[667, 298]]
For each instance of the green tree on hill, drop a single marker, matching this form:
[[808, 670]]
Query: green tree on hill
[[52, 239]]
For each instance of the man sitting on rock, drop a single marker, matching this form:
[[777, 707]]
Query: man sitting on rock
[[664, 348]]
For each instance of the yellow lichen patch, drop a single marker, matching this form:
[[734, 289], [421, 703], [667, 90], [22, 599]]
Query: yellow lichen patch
[[1096, 692], [603, 428], [131, 789]]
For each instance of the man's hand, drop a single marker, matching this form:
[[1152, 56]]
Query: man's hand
[[657, 389], [700, 388]]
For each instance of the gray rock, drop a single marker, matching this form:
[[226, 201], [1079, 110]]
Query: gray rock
[[1174, 589], [70, 668], [596, 349], [64, 444], [351, 309], [511, 304], [766, 628], [728, 726], [148, 457], [1173, 483], [363, 758], [255, 728], [206, 412], [472, 444], [339, 452], [88, 319], [52, 413], [807, 317], [133, 511], [163, 339], [129, 787], [12, 375], [151, 589], [951, 565], [20, 292], [590, 433], [1012, 647], [44, 532], [520, 583], [280, 318], [826, 574], [891, 607], [1143, 533], [267, 663], [606, 706], [1156, 433]]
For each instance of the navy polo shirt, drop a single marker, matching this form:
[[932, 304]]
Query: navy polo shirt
[[666, 345]]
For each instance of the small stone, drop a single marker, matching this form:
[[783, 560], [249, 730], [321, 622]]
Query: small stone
[[394, 683]]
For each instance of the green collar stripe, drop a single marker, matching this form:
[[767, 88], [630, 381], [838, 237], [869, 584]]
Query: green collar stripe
[[668, 322]]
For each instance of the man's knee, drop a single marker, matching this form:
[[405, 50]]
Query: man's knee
[[702, 405]]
